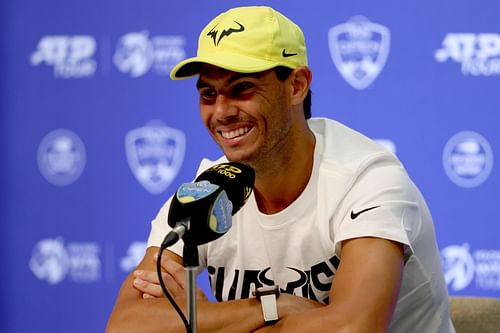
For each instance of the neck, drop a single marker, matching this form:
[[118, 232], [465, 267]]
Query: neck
[[277, 187]]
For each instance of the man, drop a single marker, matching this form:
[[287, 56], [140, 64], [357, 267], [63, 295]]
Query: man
[[333, 220]]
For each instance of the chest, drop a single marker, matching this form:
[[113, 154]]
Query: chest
[[293, 251]]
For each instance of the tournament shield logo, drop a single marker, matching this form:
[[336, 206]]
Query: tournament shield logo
[[61, 157], [155, 154], [359, 50]]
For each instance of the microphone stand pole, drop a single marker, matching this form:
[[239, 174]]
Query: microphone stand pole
[[190, 262]]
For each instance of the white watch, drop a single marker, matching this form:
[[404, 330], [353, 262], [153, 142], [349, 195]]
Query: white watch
[[267, 296]]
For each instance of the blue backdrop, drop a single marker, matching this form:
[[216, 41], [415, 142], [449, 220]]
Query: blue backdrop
[[95, 136]]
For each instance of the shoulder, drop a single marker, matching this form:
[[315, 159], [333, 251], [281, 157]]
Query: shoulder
[[347, 152]]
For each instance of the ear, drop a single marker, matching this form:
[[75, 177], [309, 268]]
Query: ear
[[300, 80]]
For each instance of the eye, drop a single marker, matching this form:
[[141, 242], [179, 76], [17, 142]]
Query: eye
[[241, 89], [207, 94]]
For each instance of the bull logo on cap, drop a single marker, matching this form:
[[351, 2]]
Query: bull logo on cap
[[359, 50], [226, 32], [155, 154]]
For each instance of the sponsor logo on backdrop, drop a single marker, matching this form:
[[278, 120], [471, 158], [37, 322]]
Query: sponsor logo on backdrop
[[467, 159], [458, 266], [61, 157], [135, 253], [359, 49], [50, 261], [155, 153], [477, 53], [463, 267], [54, 261], [137, 53], [70, 56]]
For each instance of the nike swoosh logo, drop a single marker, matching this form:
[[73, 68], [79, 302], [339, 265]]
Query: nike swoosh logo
[[355, 215], [286, 55]]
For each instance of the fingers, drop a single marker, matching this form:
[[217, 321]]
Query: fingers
[[173, 275], [148, 283], [149, 276], [145, 282], [173, 268]]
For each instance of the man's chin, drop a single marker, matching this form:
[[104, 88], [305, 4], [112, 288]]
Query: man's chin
[[238, 157]]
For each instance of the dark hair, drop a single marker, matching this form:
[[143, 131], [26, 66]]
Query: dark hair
[[283, 73]]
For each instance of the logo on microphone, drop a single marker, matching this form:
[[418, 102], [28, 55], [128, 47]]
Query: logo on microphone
[[137, 53], [359, 49], [61, 157], [227, 170], [155, 154], [467, 159]]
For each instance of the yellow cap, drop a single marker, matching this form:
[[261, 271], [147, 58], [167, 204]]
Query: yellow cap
[[247, 40]]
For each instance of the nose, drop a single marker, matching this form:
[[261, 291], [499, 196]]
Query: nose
[[224, 108]]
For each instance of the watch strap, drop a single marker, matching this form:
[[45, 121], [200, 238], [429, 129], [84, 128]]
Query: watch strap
[[269, 308], [267, 297]]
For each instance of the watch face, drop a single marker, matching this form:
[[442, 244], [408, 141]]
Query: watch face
[[267, 296]]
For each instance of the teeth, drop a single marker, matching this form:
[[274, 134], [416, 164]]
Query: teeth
[[235, 133]]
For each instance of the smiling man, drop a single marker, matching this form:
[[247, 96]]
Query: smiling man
[[334, 238]]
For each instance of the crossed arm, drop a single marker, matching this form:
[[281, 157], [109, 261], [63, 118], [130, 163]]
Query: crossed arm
[[362, 297]]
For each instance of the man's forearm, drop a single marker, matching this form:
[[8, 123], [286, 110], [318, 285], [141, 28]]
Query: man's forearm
[[158, 315]]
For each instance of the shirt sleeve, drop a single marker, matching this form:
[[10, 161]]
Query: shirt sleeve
[[381, 202]]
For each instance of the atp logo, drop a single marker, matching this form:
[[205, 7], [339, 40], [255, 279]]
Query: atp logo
[[458, 265], [359, 50], [137, 53], [70, 56], [61, 157], [468, 159], [155, 154], [478, 54]]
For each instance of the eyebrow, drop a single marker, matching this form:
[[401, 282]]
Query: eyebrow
[[202, 84]]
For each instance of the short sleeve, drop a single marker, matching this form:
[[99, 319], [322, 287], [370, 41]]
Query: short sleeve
[[380, 203]]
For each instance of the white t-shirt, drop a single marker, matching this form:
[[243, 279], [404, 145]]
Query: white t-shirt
[[356, 189]]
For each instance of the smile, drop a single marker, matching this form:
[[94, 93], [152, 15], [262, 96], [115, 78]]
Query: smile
[[234, 133]]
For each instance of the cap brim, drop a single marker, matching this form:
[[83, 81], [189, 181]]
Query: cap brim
[[236, 63]]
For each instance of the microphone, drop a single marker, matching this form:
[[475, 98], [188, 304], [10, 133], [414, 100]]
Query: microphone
[[200, 212]]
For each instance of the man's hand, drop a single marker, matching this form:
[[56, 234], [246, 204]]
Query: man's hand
[[132, 313], [173, 275]]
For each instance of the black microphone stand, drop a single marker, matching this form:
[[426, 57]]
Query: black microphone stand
[[190, 263]]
